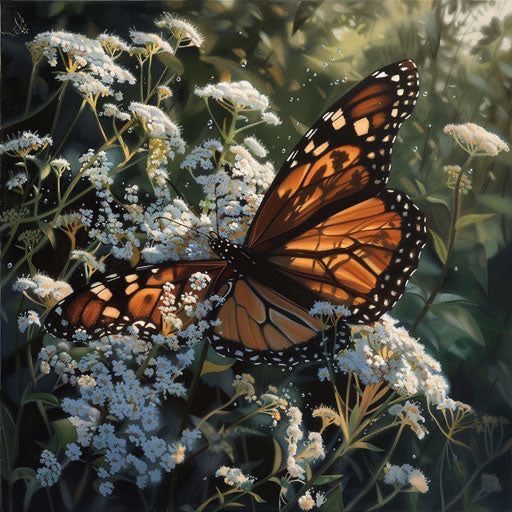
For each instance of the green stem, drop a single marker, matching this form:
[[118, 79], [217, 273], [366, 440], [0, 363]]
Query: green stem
[[184, 418], [340, 452], [376, 473], [41, 107], [59, 108], [69, 130], [449, 248], [30, 86]]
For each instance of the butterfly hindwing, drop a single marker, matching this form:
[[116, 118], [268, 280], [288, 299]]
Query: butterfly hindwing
[[343, 158], [261, 325]]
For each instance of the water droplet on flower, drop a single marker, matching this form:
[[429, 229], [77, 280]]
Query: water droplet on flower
[[243, 63]]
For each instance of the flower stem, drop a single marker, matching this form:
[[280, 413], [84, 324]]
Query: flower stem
[[376, 473], [30, 87], [183, 422], [457, 200]]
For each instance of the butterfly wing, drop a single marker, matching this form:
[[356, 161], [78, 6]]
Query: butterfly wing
[[134, 298], [342, 160], [259, 324], [327, 222], [361, 257]]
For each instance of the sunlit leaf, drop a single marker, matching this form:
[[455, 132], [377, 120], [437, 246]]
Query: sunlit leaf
[[210, 367], [472, 218], [439, 246], [278, 457], [171, 62]]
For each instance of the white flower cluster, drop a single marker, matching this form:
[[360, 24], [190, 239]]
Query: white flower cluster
[[125, 378], [57, 358], [475, 139], [386, 352], [43, 287], [49, 473], [405, 474], [311, 450], [88, 260], [16, 181], [59, 165], [25, 320], [307, 502], [24, 144], [152, 43], [183, 31], [112, 44], [234, 477], [89, 87], [112, 110], [410, 414], [202, 156], [82, 54], [235, 95], [157, 123]]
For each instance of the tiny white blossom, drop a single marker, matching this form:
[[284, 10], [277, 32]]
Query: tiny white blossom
[[240, 95], [475, 139], [182, 30], [27, 319]]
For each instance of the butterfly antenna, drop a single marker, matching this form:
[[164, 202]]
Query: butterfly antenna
[[183, 225]]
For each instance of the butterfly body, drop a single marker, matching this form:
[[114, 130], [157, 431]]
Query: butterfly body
[[327, 229]]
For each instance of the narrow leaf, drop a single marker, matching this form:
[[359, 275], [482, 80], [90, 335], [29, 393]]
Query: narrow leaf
[[472, 218], [46, 398], [439, 246]]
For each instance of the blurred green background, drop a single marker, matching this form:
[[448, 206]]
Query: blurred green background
[[304, 55]]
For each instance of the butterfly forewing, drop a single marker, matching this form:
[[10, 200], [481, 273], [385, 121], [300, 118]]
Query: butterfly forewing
[[343, 159], [133, 298]]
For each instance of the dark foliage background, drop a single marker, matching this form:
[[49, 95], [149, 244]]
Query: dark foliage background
[[304, 55]]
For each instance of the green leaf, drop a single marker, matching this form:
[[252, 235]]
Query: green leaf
[[22, 473], [460, 318], [439, 246], [8, 441], [65, 431], [334, 501], [327, 479], [433, 31], [497, 203], [304, 11], [472, 218], [171, 62], [361, 445], [46, 398], [278, 457], [210, 367]]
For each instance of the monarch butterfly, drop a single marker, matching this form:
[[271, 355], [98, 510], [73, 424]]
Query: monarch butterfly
[[327, 229]]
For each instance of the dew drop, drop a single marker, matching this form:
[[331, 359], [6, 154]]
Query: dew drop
[[9, 265], [425, 93], [344, 79], [178, 79], [243, 63], [456, 268]]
